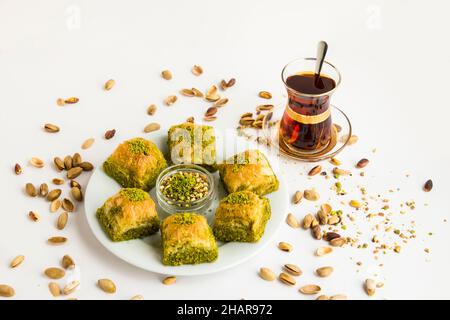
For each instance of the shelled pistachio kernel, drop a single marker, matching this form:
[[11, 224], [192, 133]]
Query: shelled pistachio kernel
[[428, 185], [109, 134], [362, 163], [185, 187], [34, 216], [315, 170], [18, 169]]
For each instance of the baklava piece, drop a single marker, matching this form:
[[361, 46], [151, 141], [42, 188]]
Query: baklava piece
[[135, 163], [248, 171], [242, 217], [192, 144], [130, 214], [187, 239]]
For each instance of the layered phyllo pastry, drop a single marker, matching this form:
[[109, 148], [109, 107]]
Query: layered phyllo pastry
[[249, 170], [135, 163], [187, 239], [241, 216], [130, 214], [192, 144]]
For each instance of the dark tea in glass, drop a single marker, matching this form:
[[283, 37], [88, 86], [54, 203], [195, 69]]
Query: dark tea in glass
[[306, 125]]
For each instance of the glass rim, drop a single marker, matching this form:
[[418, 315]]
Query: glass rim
[[188, 167], [338, 80]]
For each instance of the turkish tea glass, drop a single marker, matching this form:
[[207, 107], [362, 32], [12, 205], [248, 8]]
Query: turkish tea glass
[[306, 126]]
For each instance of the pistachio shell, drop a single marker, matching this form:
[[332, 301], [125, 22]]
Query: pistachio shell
[[323, 251], [267, 274], [107, 285], [310, 289], [324, 271]]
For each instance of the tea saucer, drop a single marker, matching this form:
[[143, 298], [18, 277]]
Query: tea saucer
[[342, 131]]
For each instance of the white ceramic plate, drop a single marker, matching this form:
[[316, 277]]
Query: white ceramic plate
[[146, 253]]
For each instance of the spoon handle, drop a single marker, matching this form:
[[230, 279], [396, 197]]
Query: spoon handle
[[322, 48]]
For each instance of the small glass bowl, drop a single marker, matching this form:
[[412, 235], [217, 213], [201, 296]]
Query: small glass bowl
[[200, 206]]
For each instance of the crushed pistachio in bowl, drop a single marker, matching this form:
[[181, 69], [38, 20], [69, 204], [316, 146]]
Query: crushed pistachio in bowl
[[185, 187]]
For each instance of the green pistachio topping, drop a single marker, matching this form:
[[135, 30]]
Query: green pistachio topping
[[134, 194], [185, 218], [139, 146], [238, 198], [238, 165]]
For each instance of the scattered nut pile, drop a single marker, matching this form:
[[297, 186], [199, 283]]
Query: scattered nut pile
[[330, 225], [211, 95], [262, 119], [73, 166], [291, 272]]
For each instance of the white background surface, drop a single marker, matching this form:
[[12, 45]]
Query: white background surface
[[394, 58]]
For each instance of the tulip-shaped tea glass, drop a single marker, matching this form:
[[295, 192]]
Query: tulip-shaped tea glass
[[306, 127]]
